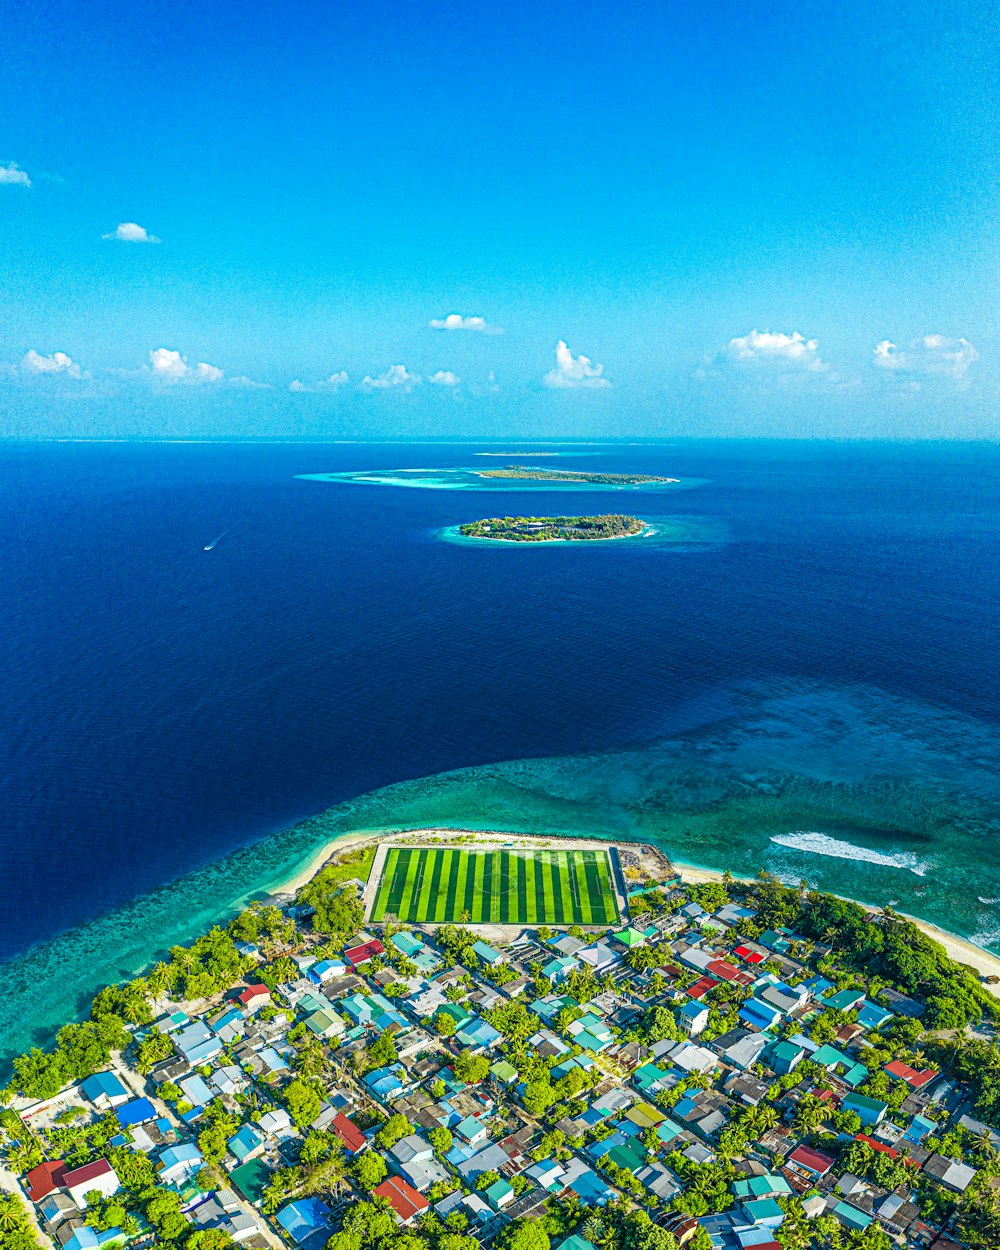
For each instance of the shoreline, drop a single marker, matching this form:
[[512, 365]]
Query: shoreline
[[958, 948]]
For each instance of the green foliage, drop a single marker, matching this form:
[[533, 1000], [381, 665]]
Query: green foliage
[[441, 1139], [303, 1101], [16, 1231], [381, 1053], [471, 1068], [538, 1097], [485, 1179], [369, 1170], [523, 1234], [445, 1024], [153, 1049], [163, 1210], [336, 911], [394, 1130]]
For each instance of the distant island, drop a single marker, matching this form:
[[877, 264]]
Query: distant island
[[572, 475], [547, 529]]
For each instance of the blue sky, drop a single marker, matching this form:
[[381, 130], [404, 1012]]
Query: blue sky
[[765, 220]]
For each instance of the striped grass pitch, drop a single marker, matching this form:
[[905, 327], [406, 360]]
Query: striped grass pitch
[[451, 886]]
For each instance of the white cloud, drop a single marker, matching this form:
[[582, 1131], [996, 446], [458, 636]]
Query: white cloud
[[455, 321], [333, 383], [248, 384], [767, 347], [444, 377], [13, 176], [170, 366], [131, 232], [58, 364], [575, 372], [933, 356], [395, 378]]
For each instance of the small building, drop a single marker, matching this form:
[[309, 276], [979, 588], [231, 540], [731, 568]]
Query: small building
[[354, 1140], [785, 1057], [693, 1018], [253, 997], [472, 1131], [914, 1077], [305, 1222], [871, 1110], [246, 1143], [812, 1164], [177, 1163], [326, 970], [104, 1089], [487, 954], [406, 1202], [45, 1179], [99, 1176], [358, 955], [499, 1195]]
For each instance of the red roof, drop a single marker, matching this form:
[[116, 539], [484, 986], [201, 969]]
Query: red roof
[[41, 1181], [402, 1197], [911, 1076], [749, 956], [361, 954], [89, 1172], [251, 992], [726, 971], [812, 1160], [349, 1133], [701, 987], [882, 1148]]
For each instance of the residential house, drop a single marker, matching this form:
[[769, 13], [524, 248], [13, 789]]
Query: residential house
[[692, 1017], [99, 1176], [405, 1201], [104, 1089], [306, 1222]]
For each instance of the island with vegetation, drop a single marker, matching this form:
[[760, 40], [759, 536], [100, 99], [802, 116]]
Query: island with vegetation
[[733, 1056], [549, 529], [533, 474]]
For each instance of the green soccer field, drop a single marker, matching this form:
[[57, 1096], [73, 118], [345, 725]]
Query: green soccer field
[[427, 885]]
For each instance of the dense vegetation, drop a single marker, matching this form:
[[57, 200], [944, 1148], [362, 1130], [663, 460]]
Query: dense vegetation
[[536, 529], [892, 951], [572, 475]]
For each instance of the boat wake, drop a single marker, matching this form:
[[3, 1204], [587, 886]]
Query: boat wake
[[835, 848]]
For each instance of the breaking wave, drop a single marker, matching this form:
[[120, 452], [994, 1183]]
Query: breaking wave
[[822, 844]]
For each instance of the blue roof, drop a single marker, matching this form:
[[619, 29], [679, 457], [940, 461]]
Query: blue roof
[[138, 1111], [303, 1218], [105, 1083]]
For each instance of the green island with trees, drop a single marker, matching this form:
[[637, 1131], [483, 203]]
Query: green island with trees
[[548, 529], [870, 982], [534, 474]]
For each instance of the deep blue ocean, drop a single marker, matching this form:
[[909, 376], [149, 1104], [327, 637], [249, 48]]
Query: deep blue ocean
[[826, 641]]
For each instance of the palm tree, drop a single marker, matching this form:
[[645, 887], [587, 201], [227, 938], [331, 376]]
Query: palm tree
[[11, 1216]]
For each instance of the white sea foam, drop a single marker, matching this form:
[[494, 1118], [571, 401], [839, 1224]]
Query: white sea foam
[[823, 844], [988, 901]]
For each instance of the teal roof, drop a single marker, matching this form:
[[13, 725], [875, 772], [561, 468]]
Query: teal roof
[[851, 1216]]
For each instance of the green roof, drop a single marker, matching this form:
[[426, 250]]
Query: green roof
[[251, 1179], [504, 1071], [631, 937]]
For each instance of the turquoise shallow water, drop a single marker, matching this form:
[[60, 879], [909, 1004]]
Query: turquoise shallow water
[[830, 783]]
